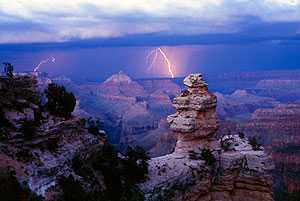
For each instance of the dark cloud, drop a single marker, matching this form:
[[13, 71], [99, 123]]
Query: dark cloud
[[252, 34]]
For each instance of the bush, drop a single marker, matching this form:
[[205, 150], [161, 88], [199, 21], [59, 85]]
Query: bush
[[107, 161], [227, 143], [28, 128], [256, 146], [93, 126], [72, 190], [3, 121], [295, 196], [241, 135], [136, 164], [24, 155], [120, 175], [9, 69], [105, 157], [11, 190], [208, 157], [52, 144], [60, 102], [3, 134]]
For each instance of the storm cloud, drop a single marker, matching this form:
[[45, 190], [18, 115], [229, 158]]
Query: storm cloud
[[52, 21]]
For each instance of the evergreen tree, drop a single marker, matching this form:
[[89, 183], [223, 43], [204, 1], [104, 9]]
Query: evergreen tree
[[60, 102], [8, 69]]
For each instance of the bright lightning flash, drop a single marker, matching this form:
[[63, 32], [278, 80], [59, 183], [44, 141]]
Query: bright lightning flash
[[155, 52], [168, 62], [51, 59]]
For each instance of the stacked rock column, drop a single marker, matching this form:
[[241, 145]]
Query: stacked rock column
[[195, 121]]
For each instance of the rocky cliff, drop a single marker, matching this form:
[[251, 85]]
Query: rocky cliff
[[279, 129], [203, 167], [38, 146], [132, 111], [46, 157]]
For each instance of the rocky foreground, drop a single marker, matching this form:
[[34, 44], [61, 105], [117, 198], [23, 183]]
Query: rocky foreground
[[48, 157], [36, 145], [261, 104], [202, 167]]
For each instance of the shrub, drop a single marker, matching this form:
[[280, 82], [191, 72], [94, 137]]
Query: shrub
[[105, 157], [71, 190], [256, 146], [136, 164], [11, 190], [93, 126], [60, 102], [107, 161], [227, 143], [93, 129], [9, 69], [241, 135], [38, 117], [119, 174], [3, 121], [295, 196], [80, 167], [208, 157], [52, 144], [24, 155], [3, 134], [28, 128]]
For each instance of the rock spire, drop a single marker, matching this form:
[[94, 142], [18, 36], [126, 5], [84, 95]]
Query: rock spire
[[195, 119]]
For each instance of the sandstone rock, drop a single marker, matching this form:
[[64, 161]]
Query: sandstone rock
[[39, 159], [194, 81], [196, 111], [238, 173]]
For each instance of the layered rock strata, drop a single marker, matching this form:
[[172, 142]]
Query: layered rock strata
[[36, 145], [203, 167], [195, 120]]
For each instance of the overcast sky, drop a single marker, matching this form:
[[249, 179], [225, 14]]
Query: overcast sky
[[65, 20], [95, 38]]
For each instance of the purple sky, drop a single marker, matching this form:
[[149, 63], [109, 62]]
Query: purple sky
[[93, 39]]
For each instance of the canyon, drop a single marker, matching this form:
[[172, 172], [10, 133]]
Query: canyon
[[202, 167], [247, 102], [46, 153]]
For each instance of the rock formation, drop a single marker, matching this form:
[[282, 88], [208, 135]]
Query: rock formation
[[44, 151], [278, 128], [53, 157], [195, 120], [202, 167], [131, 110], [241, 104]]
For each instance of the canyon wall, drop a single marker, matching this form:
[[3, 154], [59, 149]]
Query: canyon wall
[[202, 167]]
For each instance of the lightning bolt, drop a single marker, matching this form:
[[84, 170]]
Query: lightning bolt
[[163, 54], [51, 59], [168, 62]]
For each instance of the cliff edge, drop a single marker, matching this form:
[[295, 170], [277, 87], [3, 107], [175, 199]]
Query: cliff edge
[[203, 167]]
